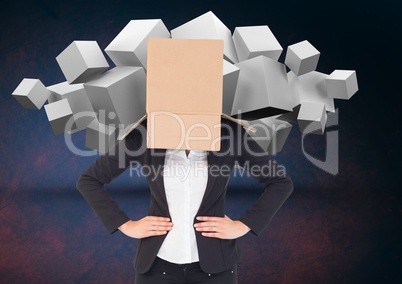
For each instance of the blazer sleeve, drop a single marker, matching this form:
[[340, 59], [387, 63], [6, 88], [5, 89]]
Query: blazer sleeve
[[278, 185], [91, 184]]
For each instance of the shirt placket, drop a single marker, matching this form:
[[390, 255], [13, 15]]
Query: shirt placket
[[187, 204]]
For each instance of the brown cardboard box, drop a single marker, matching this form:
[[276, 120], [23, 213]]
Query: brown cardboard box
[[184, 94]]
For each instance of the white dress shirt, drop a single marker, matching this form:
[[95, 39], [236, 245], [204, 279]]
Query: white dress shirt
[[185, 180]]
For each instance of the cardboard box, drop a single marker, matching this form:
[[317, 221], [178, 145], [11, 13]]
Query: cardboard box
[[184, 94]]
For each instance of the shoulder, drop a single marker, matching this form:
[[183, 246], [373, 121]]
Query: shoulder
[[230, 125], [138, 135]]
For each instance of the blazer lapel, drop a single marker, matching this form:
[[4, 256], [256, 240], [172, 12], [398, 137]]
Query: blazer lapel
[[158, 161], [212, 162]]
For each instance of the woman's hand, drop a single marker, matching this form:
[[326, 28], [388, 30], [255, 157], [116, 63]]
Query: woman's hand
[[221, 227], [146, 227]]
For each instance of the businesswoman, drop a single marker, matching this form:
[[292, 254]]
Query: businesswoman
[[186, 236]]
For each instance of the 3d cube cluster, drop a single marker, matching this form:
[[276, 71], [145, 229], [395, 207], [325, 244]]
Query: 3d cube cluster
[[257, 88]]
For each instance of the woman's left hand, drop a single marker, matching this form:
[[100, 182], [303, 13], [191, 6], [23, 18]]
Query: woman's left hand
[[221, 227]]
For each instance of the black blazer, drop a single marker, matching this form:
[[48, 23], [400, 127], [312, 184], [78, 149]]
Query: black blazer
[[215, 255]]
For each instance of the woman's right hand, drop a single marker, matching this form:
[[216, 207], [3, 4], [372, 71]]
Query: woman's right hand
[[146, 227]]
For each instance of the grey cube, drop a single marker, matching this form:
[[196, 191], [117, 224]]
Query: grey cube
[[341, 84], [312, 88], [82, 61], [254, 41], [78, 99], [302, 57], [230, 78], [262, 89], [118, 95], [100, 137], [31, 94], [60, 116], [208, 26], [129, 47], [271, 133], [312, 118]]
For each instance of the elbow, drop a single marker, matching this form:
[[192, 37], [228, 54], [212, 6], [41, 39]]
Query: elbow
[[83, 182], [87, 182], [290, 186], [286, 185], [80, 182]]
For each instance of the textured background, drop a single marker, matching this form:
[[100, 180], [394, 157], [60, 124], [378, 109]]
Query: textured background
[[333, 229]]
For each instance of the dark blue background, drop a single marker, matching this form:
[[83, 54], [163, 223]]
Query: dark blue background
[[333, 229]]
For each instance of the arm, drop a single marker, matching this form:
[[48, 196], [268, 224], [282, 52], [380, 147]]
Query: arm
[[103, 171], [278, 187]]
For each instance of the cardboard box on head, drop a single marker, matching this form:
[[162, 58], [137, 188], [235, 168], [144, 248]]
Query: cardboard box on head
[[184, 94]]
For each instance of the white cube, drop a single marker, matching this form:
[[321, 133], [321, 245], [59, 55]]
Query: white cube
[[312, 118], [271, 133], [81, 61], [60, 116], [262, 89], [342, 84], [129, 47], [302, 57], [118, 95], [31, 94], [291, 116], [294, 84], [230, 78], [208, 26], [78, 100], [254, 41], [100, 137], [312, 89]]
